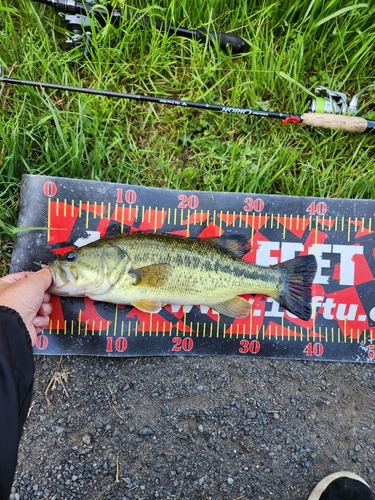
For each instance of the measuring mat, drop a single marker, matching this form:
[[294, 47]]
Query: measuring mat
[[64, 213]]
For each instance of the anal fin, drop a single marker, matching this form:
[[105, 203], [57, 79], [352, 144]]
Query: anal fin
[[237, 307], [150, 306]]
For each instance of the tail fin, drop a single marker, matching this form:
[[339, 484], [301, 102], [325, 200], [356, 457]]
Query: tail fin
[[295, 294]]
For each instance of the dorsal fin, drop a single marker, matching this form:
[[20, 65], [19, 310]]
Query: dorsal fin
[[236, 244]]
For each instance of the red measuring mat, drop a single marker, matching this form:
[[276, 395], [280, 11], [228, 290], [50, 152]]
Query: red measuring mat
[[340, 233]]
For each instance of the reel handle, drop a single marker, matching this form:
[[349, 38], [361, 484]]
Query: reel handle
[[234, 43]]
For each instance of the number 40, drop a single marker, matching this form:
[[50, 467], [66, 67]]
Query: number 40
[[314, 349]]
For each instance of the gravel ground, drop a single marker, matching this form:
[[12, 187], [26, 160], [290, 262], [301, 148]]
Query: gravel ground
[[195, 428]]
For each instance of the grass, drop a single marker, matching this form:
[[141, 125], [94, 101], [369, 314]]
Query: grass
[[294, 46]]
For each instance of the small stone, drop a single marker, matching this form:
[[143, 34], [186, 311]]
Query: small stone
[[87, 439], [146, 431], [200, 428], [230, 481]]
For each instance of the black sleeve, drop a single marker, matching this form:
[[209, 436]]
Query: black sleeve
[[16, 382]]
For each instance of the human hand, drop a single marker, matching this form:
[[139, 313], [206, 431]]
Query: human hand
[[26, 293]]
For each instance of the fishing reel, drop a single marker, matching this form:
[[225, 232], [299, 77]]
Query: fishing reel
[[336, 102], [79, 31]]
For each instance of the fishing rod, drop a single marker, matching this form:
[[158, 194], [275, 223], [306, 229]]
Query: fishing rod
[[79, 15], [320, 120]]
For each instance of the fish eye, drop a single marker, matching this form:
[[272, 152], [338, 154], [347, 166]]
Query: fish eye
[[71, 256]]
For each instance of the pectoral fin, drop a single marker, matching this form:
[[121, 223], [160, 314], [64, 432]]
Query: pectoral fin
[[237, 307], [154, 275], [150, 306]]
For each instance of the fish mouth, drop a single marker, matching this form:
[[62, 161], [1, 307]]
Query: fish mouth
[[59, 278]]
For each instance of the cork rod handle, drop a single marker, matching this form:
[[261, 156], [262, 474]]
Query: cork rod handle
[[325, 120]]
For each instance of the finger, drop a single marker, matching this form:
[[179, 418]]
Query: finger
[[47, 297], [12, 278], [45, 309], [41, 322], [44, 277]]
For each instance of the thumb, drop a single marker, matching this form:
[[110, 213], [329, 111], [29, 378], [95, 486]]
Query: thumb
[[42, 278]]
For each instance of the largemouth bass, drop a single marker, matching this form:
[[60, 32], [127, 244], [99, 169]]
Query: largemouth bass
[[149, 271]]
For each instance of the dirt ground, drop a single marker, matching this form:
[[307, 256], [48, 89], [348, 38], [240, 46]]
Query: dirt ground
[[194, 427]]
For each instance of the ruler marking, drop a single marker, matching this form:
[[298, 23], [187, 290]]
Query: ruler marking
[[155, 219], [123, 216], [184, 327], [49, 219], [115, 321], [79, 321], [349, 227], [87, 214]]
